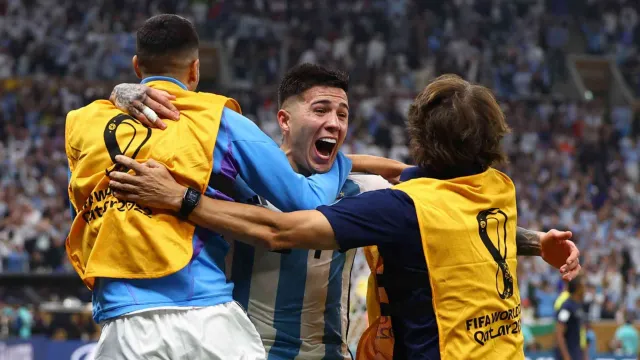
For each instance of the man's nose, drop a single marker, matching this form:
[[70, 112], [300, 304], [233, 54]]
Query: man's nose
[[333, 123]]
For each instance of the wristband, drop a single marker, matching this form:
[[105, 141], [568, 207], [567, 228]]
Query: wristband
[[190, 200]]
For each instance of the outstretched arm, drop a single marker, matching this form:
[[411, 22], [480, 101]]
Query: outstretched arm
[[372, 218], [555, 247], [528, 242], [154, 186], [307, 229], [387, 168]]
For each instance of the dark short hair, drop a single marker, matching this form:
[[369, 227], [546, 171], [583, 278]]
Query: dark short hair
[[574, 285], [303, 77], [453, 123], [164, 41]]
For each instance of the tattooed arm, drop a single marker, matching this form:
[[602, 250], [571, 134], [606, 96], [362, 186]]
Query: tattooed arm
[[145, 104], [528, 242], [555, 247]]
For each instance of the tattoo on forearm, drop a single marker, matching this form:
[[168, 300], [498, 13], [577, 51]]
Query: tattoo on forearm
[[124, 95], [527, 242]]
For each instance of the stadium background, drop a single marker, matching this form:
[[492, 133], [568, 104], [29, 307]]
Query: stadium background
[[567, 73]]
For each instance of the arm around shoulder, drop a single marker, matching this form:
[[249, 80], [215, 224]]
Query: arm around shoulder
[[387, 168], [258, 226]]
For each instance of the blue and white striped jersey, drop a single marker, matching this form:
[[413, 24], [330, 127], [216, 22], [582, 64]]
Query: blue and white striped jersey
[[297, 299]]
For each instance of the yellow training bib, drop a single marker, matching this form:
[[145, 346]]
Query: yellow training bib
[[115, 239], [468, 228]]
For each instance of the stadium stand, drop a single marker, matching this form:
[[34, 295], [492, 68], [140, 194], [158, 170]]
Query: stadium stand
[[574, 154]]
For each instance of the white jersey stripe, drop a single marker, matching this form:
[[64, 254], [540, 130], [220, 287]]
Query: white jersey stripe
[[262, 294], [344, 312], [312, 318]]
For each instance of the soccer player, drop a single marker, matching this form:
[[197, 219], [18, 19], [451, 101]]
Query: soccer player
[[584, 338], [297, 299], [448, 236], [158, 282], [570, 323], [290, 319]]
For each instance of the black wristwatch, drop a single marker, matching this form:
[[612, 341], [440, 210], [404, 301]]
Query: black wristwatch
[[190, 200]]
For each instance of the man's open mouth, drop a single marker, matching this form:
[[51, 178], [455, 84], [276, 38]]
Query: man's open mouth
[[325, 146]]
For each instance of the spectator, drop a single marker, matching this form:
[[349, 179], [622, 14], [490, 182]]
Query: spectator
[[592, 343], [609, 310], [545, 297], [626, 339], [23, 321], [529, 340]]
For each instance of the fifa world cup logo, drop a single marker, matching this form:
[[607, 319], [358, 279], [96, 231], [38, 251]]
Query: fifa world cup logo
[[493, 222], [136, 142]]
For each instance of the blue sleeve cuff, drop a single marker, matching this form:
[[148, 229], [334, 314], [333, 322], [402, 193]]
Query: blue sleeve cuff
[[73, 211], [410, 173]]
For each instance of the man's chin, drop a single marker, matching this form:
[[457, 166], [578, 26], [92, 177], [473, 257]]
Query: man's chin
[[321, 168]]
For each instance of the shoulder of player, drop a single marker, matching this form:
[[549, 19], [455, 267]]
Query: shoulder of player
[[90, 109], [388, 202], [229, 103], [97, 113], [247, 137], [77, 120], [569, 305], [365, 182], [376, 188]]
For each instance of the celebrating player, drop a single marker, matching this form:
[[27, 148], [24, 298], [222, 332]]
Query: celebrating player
[[448, 236], [297, 299], [306, 314], [158, 282]]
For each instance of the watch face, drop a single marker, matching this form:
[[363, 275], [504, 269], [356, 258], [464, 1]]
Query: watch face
[[192, 196]]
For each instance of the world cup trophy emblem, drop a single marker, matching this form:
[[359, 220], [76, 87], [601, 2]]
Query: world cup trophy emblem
[[492, 228]]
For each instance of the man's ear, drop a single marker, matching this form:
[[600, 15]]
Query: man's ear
[[284, 120], [136, 66], [194, 75]]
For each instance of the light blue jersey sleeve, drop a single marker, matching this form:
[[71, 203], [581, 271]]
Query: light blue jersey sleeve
[[266, 170], [71, 209]]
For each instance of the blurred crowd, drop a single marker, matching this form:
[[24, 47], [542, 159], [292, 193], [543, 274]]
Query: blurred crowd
[[575, 164], [611, 27], [26, 321]]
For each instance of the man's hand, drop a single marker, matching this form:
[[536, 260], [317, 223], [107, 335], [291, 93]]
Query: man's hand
[[152, 185], [559, 251], [145, 103]]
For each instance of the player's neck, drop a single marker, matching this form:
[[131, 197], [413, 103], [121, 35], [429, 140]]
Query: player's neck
[[182, 79], [289, 153]]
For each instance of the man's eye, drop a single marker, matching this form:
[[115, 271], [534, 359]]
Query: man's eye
[[320, 111]]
